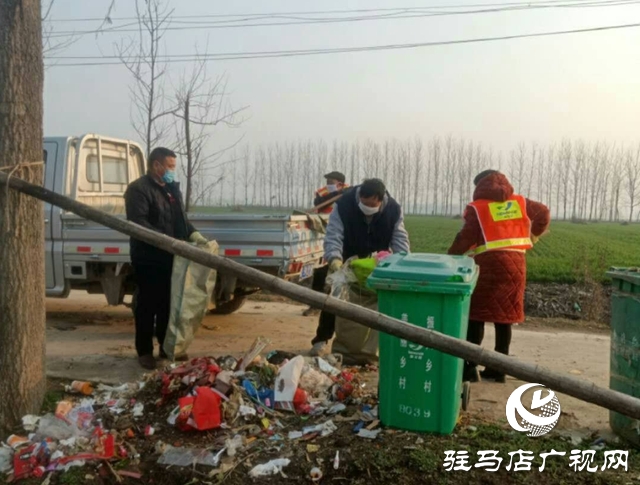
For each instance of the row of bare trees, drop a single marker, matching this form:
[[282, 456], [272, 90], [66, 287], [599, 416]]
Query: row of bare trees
[[577, 180]]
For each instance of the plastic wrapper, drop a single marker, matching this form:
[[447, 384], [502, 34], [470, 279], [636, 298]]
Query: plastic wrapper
[[53, 427], [206, 409], [188, 457], [314, 382], [271, 468], [191, 288], [362, 268], [6, 456], [234, 444], [287, 383]]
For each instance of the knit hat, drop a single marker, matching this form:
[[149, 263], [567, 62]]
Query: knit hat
[[482, 175], [337, 176]]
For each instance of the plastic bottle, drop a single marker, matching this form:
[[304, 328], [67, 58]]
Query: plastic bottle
[[405, 318], [82, 387], [63, 409]]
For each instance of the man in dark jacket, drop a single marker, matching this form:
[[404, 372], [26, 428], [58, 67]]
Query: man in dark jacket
[[154, 201], [365, 220]]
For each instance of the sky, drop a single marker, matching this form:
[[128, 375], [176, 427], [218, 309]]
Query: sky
[[540, 89]]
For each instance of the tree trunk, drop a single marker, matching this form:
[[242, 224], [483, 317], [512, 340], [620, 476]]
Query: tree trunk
[[22, 289], [187, 140]]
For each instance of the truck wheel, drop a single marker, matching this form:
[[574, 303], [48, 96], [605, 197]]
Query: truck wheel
[[228, 307]]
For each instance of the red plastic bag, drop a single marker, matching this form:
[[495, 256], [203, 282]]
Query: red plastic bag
[[301, 402], [25, 461], [206, 409], [186, 406]]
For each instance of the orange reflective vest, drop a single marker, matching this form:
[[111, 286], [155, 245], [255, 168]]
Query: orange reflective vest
[[323, 192], [505, 225]]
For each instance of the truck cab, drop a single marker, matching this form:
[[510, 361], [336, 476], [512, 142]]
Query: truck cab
[[80, 254]]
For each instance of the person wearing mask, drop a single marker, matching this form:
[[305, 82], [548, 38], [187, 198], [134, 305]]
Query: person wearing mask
[[365, 220], [499, 227], [154, 201], [335, 186]]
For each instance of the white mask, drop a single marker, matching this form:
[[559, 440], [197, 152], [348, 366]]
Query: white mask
[[332, 188], [368, 211]]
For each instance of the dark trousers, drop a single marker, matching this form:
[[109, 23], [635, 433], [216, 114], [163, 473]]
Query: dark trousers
[[475, 335], [327, 321], [152, 306]]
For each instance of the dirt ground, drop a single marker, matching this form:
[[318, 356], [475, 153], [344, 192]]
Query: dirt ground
[[87, 340]]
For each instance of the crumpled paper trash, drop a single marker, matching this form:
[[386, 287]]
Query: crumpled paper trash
[[271, 468]]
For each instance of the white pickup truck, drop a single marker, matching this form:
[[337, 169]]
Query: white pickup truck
[[84, 255]]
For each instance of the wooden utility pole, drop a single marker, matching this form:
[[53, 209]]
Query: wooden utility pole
[[586, 391], [22, 288]]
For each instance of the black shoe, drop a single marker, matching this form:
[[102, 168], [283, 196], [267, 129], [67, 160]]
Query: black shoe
[[311, 311], [147, 362], [493, 375], [470, 374]]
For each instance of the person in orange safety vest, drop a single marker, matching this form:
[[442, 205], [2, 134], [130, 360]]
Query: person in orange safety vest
[[335, 186], [499, 227]]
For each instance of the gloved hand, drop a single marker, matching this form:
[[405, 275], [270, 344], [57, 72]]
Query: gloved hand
[[198, 238], [334, 266]]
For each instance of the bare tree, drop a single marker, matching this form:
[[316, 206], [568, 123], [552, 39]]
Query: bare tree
[[262, 169], [435, 153], [354, 163], [247, 175], [22, 281], [418, 160], [465, 172], [320, 160], [201, 104], [565, 173], [425, 183], [577, 172], [604, 185], [632, 173], [600, 160], [52, 43], [449, 173], [616, 185], [142, 57], [308, 172], [533, 163], [550, 176], [519, 168]]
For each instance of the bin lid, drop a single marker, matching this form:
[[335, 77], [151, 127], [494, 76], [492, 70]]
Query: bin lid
[[631, 275], [421, 268]]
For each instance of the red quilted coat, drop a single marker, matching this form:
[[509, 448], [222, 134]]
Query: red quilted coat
[[499, 294]]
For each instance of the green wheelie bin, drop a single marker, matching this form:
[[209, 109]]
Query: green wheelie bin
[[624, 373], [420, 388]]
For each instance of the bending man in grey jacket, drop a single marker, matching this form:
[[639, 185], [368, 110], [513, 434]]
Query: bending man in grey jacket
[[365, 220]]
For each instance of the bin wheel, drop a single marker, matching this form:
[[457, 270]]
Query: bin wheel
[[466, 394]]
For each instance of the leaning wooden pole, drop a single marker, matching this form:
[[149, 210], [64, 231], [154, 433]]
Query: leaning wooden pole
[[586, 391]]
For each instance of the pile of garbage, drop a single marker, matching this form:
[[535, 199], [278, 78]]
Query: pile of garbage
[[73, 435], [278, 398]]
